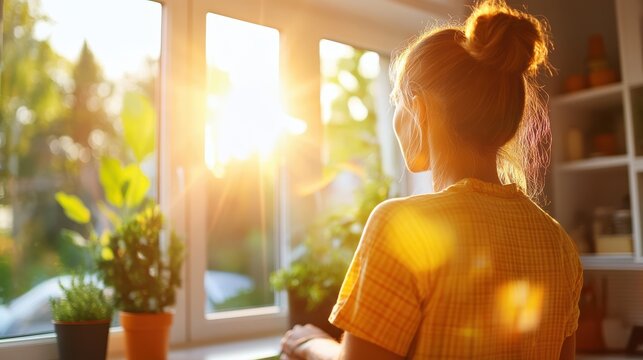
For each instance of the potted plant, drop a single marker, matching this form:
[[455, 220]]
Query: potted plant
[[144, 275], [128, 250], [314, 278], [81, 319]]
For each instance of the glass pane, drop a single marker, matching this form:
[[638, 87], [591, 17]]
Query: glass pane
[[67, 66], [352, 184], [351, 155], [242, 129]]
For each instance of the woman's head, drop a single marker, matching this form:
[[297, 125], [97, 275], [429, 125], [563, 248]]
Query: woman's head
[[470, 91]]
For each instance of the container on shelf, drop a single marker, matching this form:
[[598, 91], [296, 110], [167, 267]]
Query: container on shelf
[[614, 244]]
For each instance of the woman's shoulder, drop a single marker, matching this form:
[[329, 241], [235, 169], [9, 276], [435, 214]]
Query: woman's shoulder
[[412, 214], [415, 202]]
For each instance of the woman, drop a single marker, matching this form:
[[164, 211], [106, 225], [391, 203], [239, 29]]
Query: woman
[[477, 269]]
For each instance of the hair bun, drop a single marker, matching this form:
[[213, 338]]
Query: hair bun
[[506, 39]]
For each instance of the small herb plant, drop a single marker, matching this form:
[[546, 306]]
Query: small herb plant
[[133, 262], [327, 249], [82, 301]]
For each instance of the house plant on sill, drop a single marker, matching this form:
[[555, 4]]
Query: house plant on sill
[[142, 269], [81, 319], [322, 257], [144, 275]]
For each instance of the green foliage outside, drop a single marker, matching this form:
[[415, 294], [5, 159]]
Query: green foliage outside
[[329, 242], [83, 300], [125, 187], [52, 110], [352, 143]]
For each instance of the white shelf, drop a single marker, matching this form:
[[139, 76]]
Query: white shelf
[[591, 98], [610, 262], [597, 163]]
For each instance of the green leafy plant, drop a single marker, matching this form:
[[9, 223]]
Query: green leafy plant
[[130, 255], [132, 261], [124, 186], [327, 248], [83, 300]]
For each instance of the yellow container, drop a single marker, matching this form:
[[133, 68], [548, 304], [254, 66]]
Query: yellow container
[[614, 244]]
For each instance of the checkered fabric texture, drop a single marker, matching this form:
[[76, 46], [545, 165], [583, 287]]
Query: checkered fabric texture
[[475, 271]]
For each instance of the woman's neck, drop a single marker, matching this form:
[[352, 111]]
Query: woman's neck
[[481, 167]]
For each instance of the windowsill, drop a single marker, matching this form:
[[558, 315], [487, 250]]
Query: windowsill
[[238, 350]]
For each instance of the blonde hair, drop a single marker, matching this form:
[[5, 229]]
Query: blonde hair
[[484, 72]]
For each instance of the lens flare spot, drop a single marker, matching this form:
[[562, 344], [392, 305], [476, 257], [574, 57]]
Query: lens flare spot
[[424, 244], [519, 306]]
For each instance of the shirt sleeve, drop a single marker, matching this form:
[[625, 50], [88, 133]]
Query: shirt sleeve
[[574, 267], [577, 286], [379, 300]]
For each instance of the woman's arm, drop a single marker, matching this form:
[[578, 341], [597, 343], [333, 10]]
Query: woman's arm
[[310, 343]]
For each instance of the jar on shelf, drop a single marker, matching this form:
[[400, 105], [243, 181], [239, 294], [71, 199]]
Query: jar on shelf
[[622, 220], [603, 221]]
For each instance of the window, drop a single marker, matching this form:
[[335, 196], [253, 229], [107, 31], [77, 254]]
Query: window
[[65, 81], [242, 129], [352, 146]]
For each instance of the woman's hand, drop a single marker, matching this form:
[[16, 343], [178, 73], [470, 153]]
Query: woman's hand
[[308, 343]]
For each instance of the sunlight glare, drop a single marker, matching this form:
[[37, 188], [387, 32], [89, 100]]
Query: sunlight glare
[[427, 243], [369, 65], [357, 109], [244, 114], [331, 52], [329, 92], [348, 80]]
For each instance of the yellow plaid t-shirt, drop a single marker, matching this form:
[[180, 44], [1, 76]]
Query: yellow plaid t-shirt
[[475, 271]]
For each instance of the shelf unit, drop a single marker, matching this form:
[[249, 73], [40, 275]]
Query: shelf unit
[[580, 184], [597, 163]]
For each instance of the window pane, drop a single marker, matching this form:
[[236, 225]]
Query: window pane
[[242, 129], [351, 157], [67, 66]]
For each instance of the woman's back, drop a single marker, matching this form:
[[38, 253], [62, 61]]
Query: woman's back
[[475, 271]]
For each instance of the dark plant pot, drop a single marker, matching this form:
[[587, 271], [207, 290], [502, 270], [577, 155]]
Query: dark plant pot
[[82, 340], [318, 316]]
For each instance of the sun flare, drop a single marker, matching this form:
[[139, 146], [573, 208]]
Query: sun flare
[[244, 114]]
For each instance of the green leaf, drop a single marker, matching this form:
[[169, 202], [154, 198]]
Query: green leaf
[[74, 237], [139, 120], [74, 208], [111, 178], [137, 186]]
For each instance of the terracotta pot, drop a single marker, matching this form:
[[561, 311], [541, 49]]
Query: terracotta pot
[[575, 82], [605, 144], [82, 340], [318, 316], [146, 335], [602, 77]]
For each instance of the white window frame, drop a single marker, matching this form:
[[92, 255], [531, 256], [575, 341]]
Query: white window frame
[[299, 64], [181, 167]]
